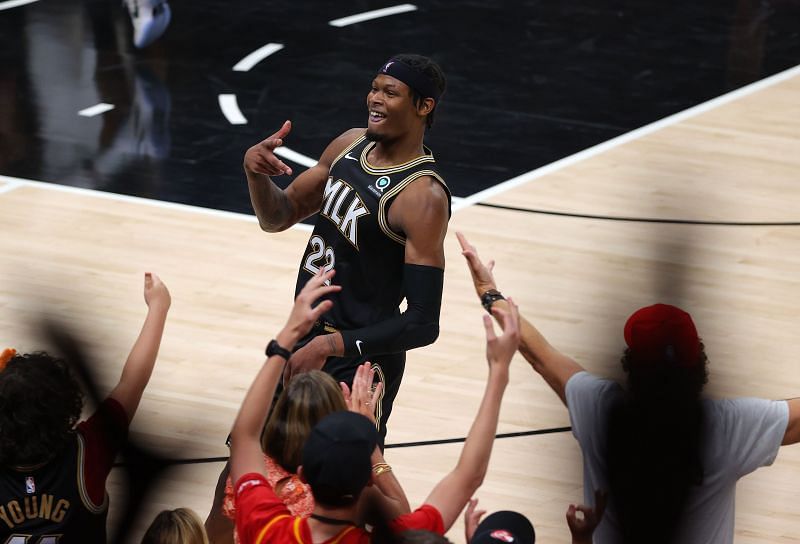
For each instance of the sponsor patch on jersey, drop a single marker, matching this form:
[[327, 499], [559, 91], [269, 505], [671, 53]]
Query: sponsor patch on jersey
[[380, 185], [30, 485]]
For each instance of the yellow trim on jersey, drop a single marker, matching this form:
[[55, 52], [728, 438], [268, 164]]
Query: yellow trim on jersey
[[349, 148], [379, 408], [82, 491], [342, 534], [370, 169], [266, 528], [297, 536], [383, 221]]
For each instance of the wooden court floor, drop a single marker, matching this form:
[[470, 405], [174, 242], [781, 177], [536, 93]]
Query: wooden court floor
[[734, 165]]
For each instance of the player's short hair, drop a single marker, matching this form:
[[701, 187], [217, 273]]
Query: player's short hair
[[179, 526], [40, 403], [429, 69], [307, 399]]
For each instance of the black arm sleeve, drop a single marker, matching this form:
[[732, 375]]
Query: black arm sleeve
[[417, 326]]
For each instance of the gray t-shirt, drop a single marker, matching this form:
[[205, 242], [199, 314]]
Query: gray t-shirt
[[741, 436]]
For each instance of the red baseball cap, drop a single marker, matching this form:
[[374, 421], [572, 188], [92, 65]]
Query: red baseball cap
[[664, 332]]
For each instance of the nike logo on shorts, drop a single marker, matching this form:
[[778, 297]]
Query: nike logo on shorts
[[358, 346]]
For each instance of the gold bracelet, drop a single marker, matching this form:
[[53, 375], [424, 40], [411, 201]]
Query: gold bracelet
[[380, 468]]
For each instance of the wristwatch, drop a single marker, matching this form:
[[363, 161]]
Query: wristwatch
[[489, 298], [274, 348]]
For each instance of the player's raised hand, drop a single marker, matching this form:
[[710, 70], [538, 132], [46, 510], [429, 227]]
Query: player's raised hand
[[155, 292], [481, 273], [261, 158]]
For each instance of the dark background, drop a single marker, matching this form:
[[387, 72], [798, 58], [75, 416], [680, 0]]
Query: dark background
[[529, 82]]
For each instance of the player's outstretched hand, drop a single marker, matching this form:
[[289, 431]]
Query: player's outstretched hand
[[472, 519], [482, 277], [363, 399], [304, 313], [156, 294], [583, 527], [500, 349], [261, 159]]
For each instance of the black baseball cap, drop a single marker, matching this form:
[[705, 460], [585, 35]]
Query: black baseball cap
[[336, 457], [504, 526]]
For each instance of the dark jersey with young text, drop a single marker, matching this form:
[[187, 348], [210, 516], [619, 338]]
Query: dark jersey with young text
[[64, 500]]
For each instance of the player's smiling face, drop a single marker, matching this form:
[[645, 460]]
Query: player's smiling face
[[390, 108]]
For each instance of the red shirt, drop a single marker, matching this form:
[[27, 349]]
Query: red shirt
[[261, 517]]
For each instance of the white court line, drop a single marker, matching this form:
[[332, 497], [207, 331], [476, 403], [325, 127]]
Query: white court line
[[375, 14], [627, 137], [20, 182], [294, 156], [257, 56], [10, 186], [15, 3], [230, 109], [458, 204], [102, 107]]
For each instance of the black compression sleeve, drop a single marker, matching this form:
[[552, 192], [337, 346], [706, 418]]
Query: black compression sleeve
[[417, 326]]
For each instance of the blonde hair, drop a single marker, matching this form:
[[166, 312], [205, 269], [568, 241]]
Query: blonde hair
[[179, 526]]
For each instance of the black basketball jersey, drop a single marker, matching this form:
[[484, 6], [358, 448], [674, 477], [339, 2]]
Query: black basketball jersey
[[353, 235], [50, 504]]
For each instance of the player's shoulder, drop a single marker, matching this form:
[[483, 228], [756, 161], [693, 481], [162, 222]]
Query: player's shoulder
[[351, 134], [339, 144], [347, 137], [428, 187], [423, 201]]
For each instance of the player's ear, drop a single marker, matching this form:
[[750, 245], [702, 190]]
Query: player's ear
[[426, 106]]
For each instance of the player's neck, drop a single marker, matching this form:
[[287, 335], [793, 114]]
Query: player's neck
[[397, 151]]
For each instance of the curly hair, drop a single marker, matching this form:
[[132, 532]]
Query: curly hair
[[655, 445], [40, 403], [432, 71], [307, 399]]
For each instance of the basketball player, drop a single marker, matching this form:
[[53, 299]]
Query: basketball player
[[383, 212]]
